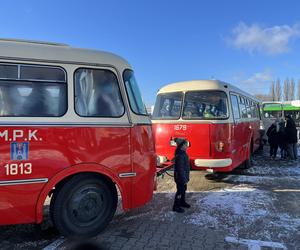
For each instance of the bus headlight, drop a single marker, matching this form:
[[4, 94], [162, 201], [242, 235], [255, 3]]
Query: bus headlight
[[220, 146]]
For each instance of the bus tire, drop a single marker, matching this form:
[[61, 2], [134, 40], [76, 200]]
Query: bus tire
[[83, 206], [248, 162]]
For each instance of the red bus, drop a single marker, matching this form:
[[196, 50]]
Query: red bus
[[220, 121], [73, 127]]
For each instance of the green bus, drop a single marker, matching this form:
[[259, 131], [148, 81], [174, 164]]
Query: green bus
[[273, 110]]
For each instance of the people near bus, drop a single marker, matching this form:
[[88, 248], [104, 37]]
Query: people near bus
[[273, 138], [282, 140], [181, 175], [291, 137]]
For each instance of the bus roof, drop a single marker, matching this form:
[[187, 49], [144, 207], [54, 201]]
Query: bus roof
[[12, 49], [203, 85]]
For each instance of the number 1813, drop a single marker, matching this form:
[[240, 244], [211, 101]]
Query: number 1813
[[16, 169]]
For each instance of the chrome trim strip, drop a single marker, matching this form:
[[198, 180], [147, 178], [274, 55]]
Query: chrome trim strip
[[21, 182], [123, 175], [65, 124]]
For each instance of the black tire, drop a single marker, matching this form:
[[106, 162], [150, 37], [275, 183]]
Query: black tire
[[83, 206], [249, 162]]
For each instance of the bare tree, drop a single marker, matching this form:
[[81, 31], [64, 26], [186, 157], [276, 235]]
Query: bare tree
[[278, 93], [292, 90], [272, 91], [298, 90], [286, 86]]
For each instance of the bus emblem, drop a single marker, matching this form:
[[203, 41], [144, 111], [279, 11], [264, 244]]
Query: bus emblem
[[19, 151]]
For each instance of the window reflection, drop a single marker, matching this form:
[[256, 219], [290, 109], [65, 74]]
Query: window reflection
[[97, 94]]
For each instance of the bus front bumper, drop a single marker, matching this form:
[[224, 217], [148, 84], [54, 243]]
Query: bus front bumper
[[213, 163]]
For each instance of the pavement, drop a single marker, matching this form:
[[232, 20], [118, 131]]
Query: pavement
[[257, 208]]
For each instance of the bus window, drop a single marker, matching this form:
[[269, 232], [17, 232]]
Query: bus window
[[248, 108], [242, 107], [134, 94], [97, 94], [168, 106], [205, 105], [32, 96], [235, 107], [8, 71]]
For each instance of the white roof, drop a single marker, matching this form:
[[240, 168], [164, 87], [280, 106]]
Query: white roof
[[55, 52], [203, 85]]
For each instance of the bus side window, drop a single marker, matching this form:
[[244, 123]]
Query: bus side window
[[242, 106], [235, 107], [97, 94], [42, 94]]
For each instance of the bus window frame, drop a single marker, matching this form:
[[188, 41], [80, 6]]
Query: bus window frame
[[209, 118], [119, 86]]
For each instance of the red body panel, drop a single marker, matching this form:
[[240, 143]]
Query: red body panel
[[58, 152], [204, 137]]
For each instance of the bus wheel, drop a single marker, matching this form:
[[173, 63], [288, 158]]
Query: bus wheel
[[83, 206]]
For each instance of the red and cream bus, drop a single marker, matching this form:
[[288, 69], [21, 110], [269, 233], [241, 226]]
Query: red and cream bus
[[220, 121], [73, 126]]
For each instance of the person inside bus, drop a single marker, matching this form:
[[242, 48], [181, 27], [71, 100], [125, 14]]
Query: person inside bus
[[273, 138], [181, 175], [107, 100], [291, 137], [208, 112], [221, 108]]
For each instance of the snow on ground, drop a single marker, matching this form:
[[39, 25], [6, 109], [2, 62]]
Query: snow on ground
[[261, 180], [228, 208], [240, 210], [283, 170]]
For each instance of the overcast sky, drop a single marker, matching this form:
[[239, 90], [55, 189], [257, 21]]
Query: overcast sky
[[247, 43]]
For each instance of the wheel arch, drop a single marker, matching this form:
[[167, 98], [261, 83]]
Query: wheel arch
[[61, 177]]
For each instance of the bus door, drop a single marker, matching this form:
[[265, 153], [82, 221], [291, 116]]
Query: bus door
[[143, 148], [240, 132]]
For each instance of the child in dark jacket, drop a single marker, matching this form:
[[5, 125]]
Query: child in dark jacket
[[181, 175]]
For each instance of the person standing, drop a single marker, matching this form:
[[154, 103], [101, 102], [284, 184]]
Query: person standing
[[282, 140], [181, 175], [273, 134], [291, 137]]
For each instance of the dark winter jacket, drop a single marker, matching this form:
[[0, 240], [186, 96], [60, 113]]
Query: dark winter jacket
[[291, 131], [282, 136], [182, 167], [273, 135]]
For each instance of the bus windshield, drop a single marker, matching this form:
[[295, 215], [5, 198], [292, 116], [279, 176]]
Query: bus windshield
[[200, 105], [272, 110], [168, 106], [205, 105], [134, 94]]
